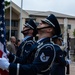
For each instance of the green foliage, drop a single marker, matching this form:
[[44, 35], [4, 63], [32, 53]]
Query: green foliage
[[74, 33], [7, 3]]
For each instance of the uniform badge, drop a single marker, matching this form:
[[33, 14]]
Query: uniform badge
[[61, 56], [44, 58]]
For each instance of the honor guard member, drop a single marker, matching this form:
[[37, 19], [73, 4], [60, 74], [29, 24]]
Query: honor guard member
[[44, 56], [57, 39], [29, 31], [58, 67]]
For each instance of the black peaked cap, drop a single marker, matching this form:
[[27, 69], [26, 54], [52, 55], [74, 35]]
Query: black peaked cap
[[52, 21]]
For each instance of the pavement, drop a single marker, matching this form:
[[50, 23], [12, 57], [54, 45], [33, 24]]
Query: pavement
[[72, 68]]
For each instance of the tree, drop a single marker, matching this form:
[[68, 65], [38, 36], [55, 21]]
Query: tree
[[7, 3], [74, 40], [74, 33]]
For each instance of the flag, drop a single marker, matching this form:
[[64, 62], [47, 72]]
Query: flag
[[2, 35], [2, 27]]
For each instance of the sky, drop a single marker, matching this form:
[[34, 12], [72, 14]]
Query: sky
[[59, 6]]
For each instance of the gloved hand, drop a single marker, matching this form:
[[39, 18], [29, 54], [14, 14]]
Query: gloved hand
[[62, 47], [68, 60], [7, 52], [4, 64]]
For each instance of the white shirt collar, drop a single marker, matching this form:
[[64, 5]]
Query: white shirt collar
[[40, 40], [26, 38]]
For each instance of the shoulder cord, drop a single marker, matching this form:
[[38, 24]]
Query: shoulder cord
[[53, 57], [24, 46]]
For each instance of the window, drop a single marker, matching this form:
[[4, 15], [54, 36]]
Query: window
[[62, 28], [69, 26], [13, 33], [7, 22], [14, 23]]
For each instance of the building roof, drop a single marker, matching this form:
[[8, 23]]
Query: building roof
[[46, 13]]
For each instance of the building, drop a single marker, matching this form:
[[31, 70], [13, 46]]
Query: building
[[64, 20]]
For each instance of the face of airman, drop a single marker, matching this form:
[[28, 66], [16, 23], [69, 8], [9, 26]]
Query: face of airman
[[45, 28], [59, 41], [25, 30], [41, 25]]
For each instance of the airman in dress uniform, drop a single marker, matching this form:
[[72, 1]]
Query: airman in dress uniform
[[60, 62], [29, 31], [44, 55]]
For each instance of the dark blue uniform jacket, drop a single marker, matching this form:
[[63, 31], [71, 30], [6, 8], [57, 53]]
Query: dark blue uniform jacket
[[23, 51], [44, 58], [58, 67]]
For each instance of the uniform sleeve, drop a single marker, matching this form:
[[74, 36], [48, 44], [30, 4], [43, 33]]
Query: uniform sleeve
[[60, 57], [18, 52], [26, 52], [24, 58], [41, 63]]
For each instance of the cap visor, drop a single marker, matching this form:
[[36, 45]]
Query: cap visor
[[44, 21], [25, 24], [47, 22]]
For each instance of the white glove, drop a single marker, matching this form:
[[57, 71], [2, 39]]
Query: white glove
[[7, 51], [4, 64], [62, 47], [68, 60]]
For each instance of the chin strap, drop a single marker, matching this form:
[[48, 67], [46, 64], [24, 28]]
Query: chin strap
[[24, 31], [43, 27]]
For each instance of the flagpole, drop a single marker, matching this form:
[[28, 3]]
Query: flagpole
[[10, 17], [20, 35]]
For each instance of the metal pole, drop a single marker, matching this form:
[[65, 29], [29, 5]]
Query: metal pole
[[20, 35], [10, 17], [65, 32], [66, 41]]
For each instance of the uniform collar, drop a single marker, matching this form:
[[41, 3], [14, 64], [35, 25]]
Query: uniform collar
[[44, 40], [40, 40], [26, 38]]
